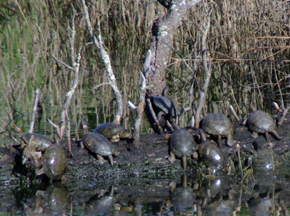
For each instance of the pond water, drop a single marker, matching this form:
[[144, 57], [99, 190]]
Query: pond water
[[262, 194]]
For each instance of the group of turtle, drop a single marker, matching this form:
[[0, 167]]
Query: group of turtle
[[48, 157], [182, 144], [100, 140], [42, 154]]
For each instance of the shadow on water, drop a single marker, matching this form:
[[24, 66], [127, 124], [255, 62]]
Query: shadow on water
[[264, 194]]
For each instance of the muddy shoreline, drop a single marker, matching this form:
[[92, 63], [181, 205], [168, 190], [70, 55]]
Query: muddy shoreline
[[150, 160]]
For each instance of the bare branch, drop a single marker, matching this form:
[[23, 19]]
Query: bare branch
[[131, 105], [283, 115], [64, 118], [233, 112], [98, 42], [207, 69], [100, 85], [153, 115], [62, 63], [54, 126], [32, 120], [140, 110]]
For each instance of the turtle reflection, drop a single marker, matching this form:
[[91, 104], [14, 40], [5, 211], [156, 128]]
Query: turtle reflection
[[52, 201], [214, 195], [182, 197], [264, 198], [100, 204]]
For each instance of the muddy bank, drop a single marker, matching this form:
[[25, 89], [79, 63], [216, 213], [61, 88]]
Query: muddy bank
[[149, 161]]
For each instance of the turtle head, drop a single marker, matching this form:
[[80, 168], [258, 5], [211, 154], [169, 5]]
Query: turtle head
[[126, 134], [84, 126]]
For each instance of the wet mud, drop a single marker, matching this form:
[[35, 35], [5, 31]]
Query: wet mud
[[147, 161]]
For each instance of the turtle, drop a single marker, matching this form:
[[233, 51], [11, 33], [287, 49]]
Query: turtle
[[97, 143], [35, 141], [54, 162], [34, 145], [218, 124], [181, 144], [211, 154], [261, 122], [164, 109], [113, 131]]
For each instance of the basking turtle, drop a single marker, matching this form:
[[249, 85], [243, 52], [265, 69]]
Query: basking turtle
[[181, 144], [35, 141], [218, 124], [97, 143], [112, 131], [164, 109], [34, 145], [54, 162], [211, 155], [261, 122]]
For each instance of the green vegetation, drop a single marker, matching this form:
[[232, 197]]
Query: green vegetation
[[248, 44]]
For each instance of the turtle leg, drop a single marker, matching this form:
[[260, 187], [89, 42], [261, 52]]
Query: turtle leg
[[230, 140], [254, 134], [184, 162], [220, 140], [267, 136], [111, 160], [171, 158], [275, 135], [101, 160], [39, 172], [195, 155]]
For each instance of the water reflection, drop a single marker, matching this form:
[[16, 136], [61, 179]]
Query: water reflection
[[186, 195], [100, 203], [182, 197], [52, 201]]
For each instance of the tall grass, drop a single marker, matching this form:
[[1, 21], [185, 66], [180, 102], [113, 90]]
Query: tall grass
[[246, 44]]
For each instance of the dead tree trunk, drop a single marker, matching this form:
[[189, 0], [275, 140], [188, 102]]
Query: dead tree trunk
[[163, 31]]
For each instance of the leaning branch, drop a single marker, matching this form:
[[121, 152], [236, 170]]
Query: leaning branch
[[207, 69], [64, 118], [32, 121], [140, 110], [98, 42]]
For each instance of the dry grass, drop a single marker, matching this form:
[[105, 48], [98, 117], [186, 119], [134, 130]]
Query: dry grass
[[248, 43]]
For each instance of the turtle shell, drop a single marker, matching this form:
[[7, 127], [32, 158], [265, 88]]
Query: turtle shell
[[112, 130], [38, 142], [260, 122], [97, 143], [181, 143], [165, 105], [54, 162], [212, 156], [219, 125]]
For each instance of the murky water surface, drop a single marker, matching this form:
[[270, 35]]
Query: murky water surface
[[186, 195]]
